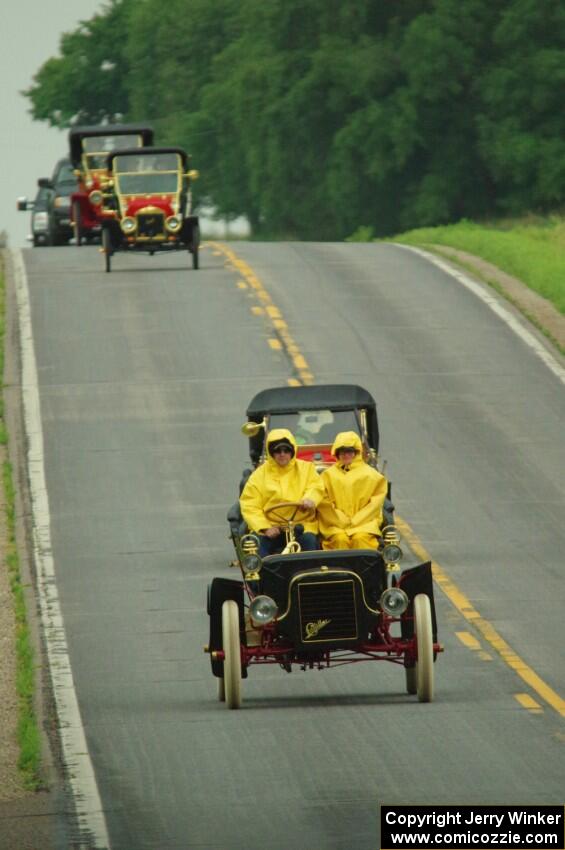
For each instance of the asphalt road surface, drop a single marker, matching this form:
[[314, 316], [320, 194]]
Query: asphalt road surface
[[144, 376]]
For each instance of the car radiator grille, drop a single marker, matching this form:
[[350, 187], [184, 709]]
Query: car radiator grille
[[150, 224], [327, 611]]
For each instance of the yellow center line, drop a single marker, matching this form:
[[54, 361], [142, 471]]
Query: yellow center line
[[526, 701], [444, 582], [280, 327], [489, 633], [468, 640]]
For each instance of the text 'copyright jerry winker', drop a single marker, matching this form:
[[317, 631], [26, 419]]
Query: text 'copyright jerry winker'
[[476, 827]]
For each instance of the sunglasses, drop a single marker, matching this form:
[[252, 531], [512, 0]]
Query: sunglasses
[[348, 450], [282, 450]]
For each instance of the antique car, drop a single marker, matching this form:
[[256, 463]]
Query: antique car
[[152, 200], [89, 148], [50, 220], [319, 609]]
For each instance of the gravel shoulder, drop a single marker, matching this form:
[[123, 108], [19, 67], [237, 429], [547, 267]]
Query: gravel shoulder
[[29, 820], [38, 819]]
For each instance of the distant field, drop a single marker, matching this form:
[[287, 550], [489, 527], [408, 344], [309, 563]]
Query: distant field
[[533, 251]]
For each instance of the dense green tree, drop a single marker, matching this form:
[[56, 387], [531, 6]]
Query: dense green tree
[[522, 126], [87, 82], [313, 118]]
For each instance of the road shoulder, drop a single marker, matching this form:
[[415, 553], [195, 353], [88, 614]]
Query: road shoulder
[[538, 310]]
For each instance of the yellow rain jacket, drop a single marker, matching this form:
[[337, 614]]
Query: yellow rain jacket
[[270, 484], [355, 493]]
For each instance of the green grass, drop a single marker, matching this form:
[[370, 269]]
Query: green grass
[[29, 739], [532, 249]]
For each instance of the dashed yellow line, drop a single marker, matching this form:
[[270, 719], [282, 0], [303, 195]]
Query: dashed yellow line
[[457, 597], [279, 326], [489, 633], [526, 701], [469, 640]]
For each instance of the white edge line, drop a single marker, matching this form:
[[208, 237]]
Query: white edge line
[[90, 815], [491, 301]]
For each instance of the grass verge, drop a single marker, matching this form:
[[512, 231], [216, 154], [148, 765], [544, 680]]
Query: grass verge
[[29, 739], [532, 250]]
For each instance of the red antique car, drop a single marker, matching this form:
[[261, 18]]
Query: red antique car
[[151, 201], [89, 149]]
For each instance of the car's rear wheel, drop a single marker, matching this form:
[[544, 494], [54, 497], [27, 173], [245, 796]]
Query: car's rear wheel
[[411, 686], [425, 648], [107, 248], [232, 653], [195, 247], [77, 224]]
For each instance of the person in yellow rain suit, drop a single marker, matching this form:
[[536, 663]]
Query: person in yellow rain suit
[[352, 513], [282, 478]]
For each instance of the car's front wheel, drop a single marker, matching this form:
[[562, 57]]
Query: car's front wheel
[[425, 648], [232, 653]]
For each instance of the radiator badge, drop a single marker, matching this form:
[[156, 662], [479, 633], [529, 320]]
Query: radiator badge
[[312, 629]]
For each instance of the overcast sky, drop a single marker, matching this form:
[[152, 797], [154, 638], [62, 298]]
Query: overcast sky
[[29, 35]]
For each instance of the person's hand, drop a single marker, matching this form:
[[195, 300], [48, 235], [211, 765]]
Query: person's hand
[[344, 520], [274, 531], [308, 504]]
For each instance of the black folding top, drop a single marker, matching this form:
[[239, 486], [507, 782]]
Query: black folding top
[[77, 134], [318, 397]]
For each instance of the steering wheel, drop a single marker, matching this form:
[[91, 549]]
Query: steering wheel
[[275, 515]]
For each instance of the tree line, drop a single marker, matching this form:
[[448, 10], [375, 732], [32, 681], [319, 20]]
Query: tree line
[[315, 117]]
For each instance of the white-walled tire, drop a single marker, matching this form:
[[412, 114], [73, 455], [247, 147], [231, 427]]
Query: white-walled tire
[[232, 653], [425, 648]]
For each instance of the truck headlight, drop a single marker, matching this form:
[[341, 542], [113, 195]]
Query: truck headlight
[[40, 221]]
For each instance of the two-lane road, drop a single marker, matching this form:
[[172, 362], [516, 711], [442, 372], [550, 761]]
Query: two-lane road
[[144, 376]]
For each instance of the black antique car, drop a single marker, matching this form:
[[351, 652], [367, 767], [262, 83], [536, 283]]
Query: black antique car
[[319, 609], [150, 192]]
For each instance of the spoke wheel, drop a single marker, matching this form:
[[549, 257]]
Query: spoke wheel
[[107, 248], [232, 653], [77, 229], [425, 648]]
